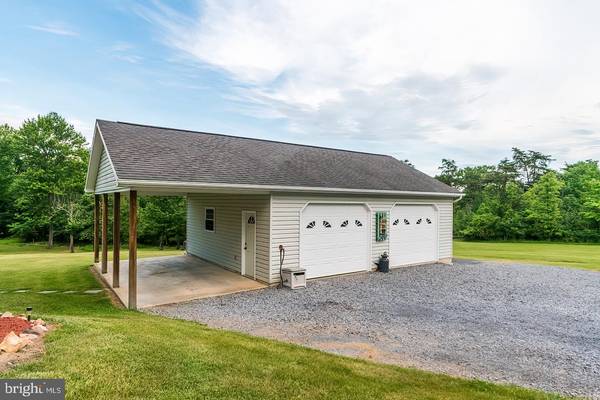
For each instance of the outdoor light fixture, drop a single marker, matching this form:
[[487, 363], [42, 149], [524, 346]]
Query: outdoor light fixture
[[28, 309]]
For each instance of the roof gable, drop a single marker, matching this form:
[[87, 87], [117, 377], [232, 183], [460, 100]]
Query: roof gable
[[101, 175]]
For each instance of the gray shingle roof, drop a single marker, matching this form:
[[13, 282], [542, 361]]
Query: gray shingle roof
[[140, 152]]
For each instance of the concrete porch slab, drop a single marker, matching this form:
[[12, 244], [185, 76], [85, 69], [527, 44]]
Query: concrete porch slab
[[174, 279]]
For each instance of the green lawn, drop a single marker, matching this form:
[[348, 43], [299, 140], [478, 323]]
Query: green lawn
[[583, 256], [109, 353]]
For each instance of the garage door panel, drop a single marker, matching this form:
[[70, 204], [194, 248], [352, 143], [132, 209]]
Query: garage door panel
[[334, 239], [413, 234]]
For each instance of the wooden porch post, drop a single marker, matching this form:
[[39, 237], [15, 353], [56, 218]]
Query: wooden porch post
[[133, 250], [96, 228], [116, 237], [104, 233]]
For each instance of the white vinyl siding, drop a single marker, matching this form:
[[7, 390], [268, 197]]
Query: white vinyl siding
[[285, 223], [223, 245], [106, 179], [445, 216]]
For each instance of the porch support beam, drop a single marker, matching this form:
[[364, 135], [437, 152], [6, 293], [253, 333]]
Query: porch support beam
[[132, 250], [96, 228], [116, 237], [104, 233]]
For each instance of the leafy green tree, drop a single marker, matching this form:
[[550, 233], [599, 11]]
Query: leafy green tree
[[499, 216], [162, 218], [506, 173], [532, 165], [7, 175], [591, 203], [51, 162], [511, 204], [449, 173], [543, 208], [578, 189], [483, 225], [471, 181], [76, 209]]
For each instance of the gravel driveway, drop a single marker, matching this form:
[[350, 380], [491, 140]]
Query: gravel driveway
[[528, 325]]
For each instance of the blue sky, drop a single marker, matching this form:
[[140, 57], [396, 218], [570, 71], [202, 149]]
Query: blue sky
[[420, 81], [89, 60]]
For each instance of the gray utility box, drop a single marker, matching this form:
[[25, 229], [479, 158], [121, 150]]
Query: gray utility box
[[294, 278]]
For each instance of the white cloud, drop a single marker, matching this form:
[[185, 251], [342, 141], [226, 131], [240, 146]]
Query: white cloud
[[130, 58], [54, 28], [121, 46], [123, 51], [426, 80]]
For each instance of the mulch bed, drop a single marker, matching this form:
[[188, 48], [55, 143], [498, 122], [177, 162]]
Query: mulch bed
[[12, 324]]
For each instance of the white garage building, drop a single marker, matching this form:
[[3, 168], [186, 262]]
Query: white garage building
[[333, 211]]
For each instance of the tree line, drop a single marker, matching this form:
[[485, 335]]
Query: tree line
[[43, 168], [523, 198]]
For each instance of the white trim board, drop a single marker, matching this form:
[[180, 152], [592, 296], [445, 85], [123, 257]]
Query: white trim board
[[191, 186]]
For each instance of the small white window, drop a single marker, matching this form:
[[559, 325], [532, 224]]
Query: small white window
[[209, 219]]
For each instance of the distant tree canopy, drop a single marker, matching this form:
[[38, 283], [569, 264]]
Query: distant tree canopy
[[43, 165], [522, 198]]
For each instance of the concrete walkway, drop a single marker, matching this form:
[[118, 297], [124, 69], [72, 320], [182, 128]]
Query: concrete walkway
[[166, 280]]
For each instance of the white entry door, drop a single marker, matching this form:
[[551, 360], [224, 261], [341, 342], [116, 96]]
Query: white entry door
[[413, 234], [249, 243], [334, 239]]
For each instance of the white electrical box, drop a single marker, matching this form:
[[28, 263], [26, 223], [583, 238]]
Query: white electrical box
[[294, 278]]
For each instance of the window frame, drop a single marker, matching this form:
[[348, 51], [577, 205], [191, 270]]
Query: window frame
[[213, 219]]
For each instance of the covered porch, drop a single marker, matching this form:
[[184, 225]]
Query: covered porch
[[140, 283], [173, 279]]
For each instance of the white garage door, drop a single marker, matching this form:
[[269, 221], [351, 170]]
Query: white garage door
[[413, 234], [334, 239]]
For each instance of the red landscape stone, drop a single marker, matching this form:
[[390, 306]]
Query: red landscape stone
[[12, 324]]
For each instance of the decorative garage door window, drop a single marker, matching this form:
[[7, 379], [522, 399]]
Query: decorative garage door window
[[381, 226]]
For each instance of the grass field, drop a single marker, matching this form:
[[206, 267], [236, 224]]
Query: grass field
[[109, 353], [582, 256]]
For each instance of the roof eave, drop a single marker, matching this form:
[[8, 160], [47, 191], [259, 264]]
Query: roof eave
[[152, 185]]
